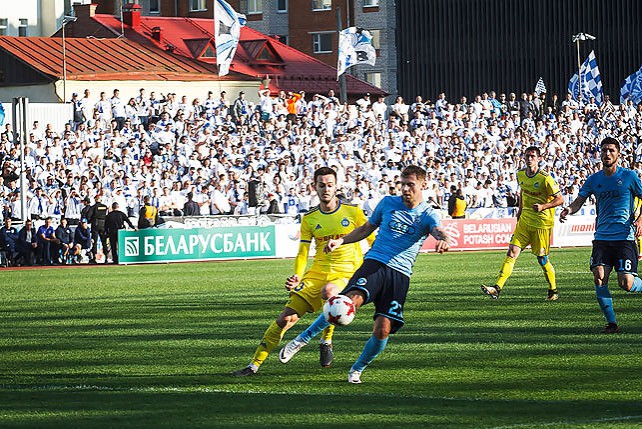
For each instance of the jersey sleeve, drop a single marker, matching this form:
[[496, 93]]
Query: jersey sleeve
[[552, 186], [636, 185], [306, 232], [433, 221], [301, 260]]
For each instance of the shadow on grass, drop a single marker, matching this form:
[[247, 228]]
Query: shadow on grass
[[351, 406]]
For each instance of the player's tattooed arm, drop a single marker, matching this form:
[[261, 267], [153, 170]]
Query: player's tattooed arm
[[442, 238]]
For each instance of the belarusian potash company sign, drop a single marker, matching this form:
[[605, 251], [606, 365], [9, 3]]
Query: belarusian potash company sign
[[197, 244]]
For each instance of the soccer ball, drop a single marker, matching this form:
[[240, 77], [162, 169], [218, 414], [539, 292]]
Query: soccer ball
[[339, 310]]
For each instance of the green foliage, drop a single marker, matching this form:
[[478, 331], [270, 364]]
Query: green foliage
[[153, 346]]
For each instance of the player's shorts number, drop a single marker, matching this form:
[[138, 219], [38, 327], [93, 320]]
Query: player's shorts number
[[299, 287], [625, 264], [395, 309]]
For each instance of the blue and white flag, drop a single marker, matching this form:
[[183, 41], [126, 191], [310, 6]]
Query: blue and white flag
[[591, 81], [632, 88], [227, 30], [1, 115], [355, 47], [540, 88]]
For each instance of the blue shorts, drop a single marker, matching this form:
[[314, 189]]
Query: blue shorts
[[621, 255], [385, 287]]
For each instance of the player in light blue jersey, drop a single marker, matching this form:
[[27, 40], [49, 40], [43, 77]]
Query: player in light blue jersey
[[616, 227], [404, 223]]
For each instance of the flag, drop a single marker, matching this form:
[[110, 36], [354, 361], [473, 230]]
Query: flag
[[540, 87], [1, 115], [355, 47], [632, 88], [227, 30], [591, 81]]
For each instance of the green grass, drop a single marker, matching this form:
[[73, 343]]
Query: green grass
[[153, 346]]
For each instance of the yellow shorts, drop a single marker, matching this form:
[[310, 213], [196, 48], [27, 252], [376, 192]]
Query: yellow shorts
[[538, 238], [306, 297]]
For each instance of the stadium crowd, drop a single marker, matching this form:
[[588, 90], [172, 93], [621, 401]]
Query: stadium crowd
[[235, 157]]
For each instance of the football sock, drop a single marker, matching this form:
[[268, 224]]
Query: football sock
[[637, 285], [326, 335], [271, 338], [606, 302], [313, 330], [549, 273], [505, 271], [373, 347]]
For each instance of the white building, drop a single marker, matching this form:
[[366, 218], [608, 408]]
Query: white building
[[34, 17]]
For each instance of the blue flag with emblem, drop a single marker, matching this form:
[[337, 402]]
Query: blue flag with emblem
[[632, 88], [355, 47], [1, 114], [227, 33], [590, 80]]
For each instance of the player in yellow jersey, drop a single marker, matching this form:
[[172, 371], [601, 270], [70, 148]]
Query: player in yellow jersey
[[328, 274], [539, 196]]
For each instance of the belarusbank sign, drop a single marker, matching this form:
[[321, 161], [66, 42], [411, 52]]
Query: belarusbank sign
[[167, 245]]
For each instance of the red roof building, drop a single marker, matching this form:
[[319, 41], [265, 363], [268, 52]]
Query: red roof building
[[258, 56], [33, 67]]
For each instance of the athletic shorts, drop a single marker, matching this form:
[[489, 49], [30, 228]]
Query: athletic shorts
[[538, 238], [306, 297], [621, 255], [385, 287]]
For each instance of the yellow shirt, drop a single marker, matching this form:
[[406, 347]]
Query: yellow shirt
[[460, 207], [322, 227], [539, 189]]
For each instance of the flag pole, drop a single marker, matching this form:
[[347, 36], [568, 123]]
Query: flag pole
[[579, 73], [343, 92]]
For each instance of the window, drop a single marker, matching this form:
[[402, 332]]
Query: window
[[370, 3], [373, 79], [322, 42], [154, 6], [376, 38], [209, 52], [321, 4], [254, 7], [281, 6], [195, 5], [283, 38], [22, 28], [3, 26]]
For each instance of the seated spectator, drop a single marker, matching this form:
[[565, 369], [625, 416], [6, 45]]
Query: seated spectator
[[82, 240], [65, 242], [27, 243]]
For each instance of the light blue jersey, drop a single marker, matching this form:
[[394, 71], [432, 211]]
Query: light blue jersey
[[615, 200], [401, 233]]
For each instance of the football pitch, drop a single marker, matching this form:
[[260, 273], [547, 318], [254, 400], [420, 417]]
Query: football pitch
[[153, 346]]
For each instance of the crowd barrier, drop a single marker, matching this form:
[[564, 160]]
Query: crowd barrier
[[281, 240]]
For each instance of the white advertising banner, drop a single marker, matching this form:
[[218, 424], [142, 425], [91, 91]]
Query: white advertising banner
[[576, 231]]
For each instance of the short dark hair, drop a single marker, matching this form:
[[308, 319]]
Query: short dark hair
[[533, 149], [610, 140], [415, 170], [324, 171]]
